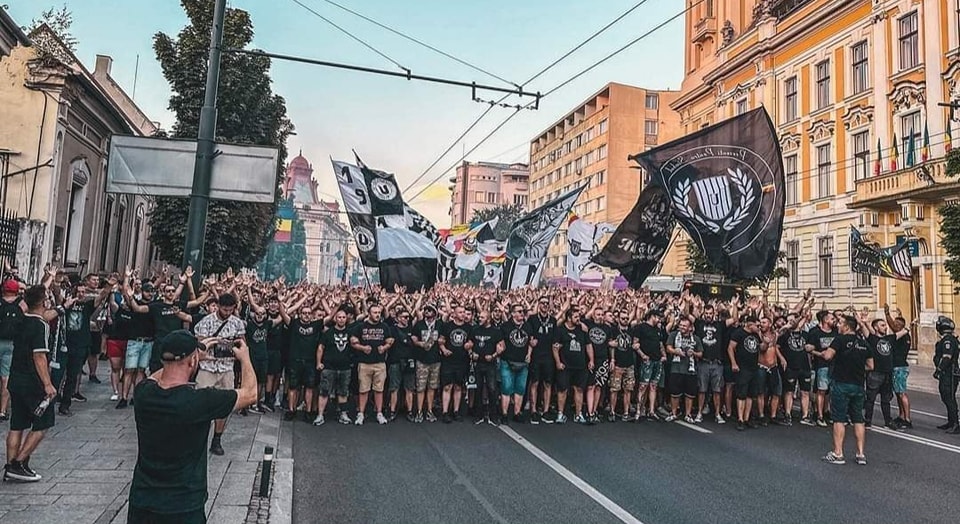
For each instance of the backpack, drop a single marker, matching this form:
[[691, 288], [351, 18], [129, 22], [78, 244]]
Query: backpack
[[11, 317]]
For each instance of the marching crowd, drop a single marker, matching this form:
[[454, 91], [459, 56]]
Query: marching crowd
[[521, 356]]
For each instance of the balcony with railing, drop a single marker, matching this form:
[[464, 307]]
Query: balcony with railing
[[925, 182], [705, 28]]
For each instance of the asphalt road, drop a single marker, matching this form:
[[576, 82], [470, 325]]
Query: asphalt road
[[651, 472]]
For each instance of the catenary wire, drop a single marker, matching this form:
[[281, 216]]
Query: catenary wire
[[349, 34], [419, 42]]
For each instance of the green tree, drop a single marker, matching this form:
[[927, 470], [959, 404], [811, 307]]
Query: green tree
[[508, 214], [950, 225], [59, 21], [287, 258], [697, 263], [248, 113]]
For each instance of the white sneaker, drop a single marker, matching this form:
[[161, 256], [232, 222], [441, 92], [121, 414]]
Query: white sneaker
[[359, 421], [699, 419], [344, 418], [720, 419], [670, 418], [381, 419], [319, 420], [688, 419], [115, 397]]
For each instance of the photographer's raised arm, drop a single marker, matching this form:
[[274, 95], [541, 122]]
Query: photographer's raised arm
[[247, 394]]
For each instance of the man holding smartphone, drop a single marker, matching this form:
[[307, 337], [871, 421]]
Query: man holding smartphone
[[173, 418]]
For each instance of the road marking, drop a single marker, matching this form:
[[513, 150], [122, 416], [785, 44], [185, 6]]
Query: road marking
[[462, 479], [693, 427], [926, 413], [918, 440], [611, 506]]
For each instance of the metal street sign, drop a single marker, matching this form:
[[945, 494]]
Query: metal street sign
[[164, 167]]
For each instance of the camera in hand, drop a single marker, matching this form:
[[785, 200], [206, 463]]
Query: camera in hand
[[224, 348]]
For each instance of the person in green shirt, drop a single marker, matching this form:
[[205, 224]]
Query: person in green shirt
[[173, 420]]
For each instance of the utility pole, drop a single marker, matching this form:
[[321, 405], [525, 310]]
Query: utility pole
[[200, 194]]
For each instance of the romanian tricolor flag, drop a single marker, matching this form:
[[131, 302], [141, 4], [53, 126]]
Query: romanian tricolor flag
[[925, 150], [878, 165], [895, 154], [284, 230]]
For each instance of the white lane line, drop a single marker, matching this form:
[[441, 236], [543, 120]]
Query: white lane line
[[693, 427], [925, 413], [918, 440], [611, 506]]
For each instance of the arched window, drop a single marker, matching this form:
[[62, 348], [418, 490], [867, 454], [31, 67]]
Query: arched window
[[80, 173]]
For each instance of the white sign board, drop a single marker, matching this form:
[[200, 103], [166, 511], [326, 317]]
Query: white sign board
[[164, 167]]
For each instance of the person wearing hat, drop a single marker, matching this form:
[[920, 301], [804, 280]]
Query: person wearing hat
[[948, 372], [173, 420], [12, 309]]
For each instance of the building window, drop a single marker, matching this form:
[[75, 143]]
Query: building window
[[602, 152], [601, 203], [589, 158], [825, 255], [78, 203], [567, 169], [601, 177], [652, 101], [909, 40], [479, 196], [861, 155], [741, 107], [909, 130], [519, 200], [793, 264], [602, 126], [825, 188], [790, 170], [790, 98], [823, 84], [578, 141], [650, 127], [589, 135], [860, 68], [491, 198], [578, 165], [864, 280], [567, 147], [105, 237]]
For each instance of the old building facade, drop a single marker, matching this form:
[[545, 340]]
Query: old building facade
[[844, 82], [482, 185], [56, 120]]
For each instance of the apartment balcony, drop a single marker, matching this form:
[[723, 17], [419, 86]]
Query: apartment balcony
[[704, 29], [926, 183]]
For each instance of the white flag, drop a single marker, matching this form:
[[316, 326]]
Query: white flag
[[582, 238]]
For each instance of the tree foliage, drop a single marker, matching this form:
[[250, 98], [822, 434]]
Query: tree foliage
[[950, 225], [287, 258], [697, 263], [508, 214], [248, 113], [59, 21]]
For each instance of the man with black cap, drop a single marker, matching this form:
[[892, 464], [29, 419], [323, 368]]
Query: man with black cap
[[948, 373], [173, 419]]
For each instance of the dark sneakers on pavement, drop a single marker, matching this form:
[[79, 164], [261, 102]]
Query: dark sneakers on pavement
[[17, 471], [215, 447]]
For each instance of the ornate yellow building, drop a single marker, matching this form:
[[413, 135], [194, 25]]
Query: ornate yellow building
[[840, 79]]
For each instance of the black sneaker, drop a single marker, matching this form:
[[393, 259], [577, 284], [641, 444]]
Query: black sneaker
[[546, 418], [740, 426], [458, 417], [216, 448], [28, 469], [122, 404], [504, 420], [905, 424], [94, 379], [266, 408], [16, 471], [867, 423], [948, 425], [289, 415], [77, 397], [518, 418], [447, 418], [244, 412], [64, 412], [534, 418]]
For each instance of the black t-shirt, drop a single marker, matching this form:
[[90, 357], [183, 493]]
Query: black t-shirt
[[820, 340], [792, 347], [304, 340], [542, 330], [485, 340], [402, 348], [881, 350], [141, 325], [573, 346], [375, 336], [517, 341], [624, 355], [455, 336], [78, 325], [651, 340], [165, 319], [901, 348], [849, 364], [277, 334], [713, 338], [336, 349], [747, 351], [599, 335], [172, 429], [256, 335], [123, 323], [424, 334], [33, 337]]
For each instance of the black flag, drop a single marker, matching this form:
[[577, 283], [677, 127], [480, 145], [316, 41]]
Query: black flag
[[725, 185], [892, 262], [642, 239]]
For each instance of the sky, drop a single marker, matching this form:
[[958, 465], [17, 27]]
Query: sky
[[394, 124]]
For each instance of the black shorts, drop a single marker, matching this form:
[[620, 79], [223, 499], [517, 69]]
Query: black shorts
[[576, 378], [274, 363], [542, 372], [729, 376], [770, 384], [748, 384], [682, 384], [96, 338], [260, 368], [22, 417], [142, 516], [452, 376], [792, 377], [301, 374]]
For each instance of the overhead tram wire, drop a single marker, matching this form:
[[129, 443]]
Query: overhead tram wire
[[351, 35], [421, 43], [531, 79]]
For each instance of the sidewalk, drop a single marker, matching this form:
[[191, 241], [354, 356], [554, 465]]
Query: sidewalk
[[87, 463], [921, 379]]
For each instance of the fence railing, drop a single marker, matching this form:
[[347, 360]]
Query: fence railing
[[9, 231]]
